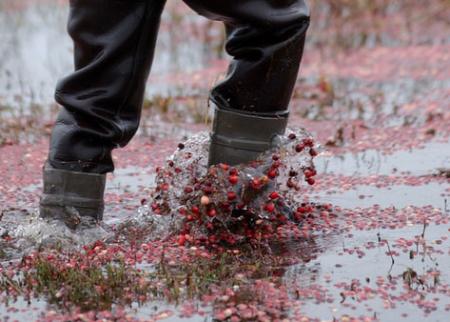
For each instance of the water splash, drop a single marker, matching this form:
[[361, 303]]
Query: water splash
[[229, 204], [35, 232], [196, 200]]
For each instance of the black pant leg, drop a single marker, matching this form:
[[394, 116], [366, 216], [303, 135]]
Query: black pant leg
[[266, 40], [101, 100]]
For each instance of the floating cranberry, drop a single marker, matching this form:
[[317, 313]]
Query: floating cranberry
[[181, 146], [256, 183], [312, 152], [233, 172], [231, 195], [308, 173], [272, 174], [233, 179], [270, 207], [181, 240], [274, 195], [308, 142], [292, 136], [188, 189], [212, 212], [299, 147]]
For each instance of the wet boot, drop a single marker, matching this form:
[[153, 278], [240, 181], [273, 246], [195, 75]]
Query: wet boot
[[265, 40], [239, 137], [71, 195]]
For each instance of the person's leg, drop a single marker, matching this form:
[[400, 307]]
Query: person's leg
[[101, 100], [265, 40]]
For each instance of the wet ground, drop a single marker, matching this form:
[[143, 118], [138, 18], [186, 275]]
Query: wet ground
[[378, 250]]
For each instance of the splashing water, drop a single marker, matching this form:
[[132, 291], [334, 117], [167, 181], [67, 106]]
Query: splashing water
[[224, 204], [221, 204], [37, 232]]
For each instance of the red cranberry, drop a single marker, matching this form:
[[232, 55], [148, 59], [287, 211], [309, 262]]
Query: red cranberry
[[231, 195], [212, 212], [272, 174], [270, 207], [274, 195], [308, 142], [299, 147], [308, 173], [233, 179], [312, 152], [181, 240], [233, 172]]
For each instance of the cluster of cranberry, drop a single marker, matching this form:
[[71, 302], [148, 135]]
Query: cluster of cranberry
[[235, 204]]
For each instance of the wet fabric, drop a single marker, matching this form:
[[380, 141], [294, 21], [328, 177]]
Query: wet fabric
[[114, 46]]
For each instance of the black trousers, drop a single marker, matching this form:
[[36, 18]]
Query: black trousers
[[114, 45]]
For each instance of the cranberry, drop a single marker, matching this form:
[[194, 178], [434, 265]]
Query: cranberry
[[272, 174], [212, 212], [256, 183], [308, 173], [270, 207], [299, 147], [233, 179], [181, 240], [311, 181], [231, 195], [233, 172], [274, 195], [308, 142], [292, 136]]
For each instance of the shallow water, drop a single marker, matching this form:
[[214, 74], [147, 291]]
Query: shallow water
[[388, 184]]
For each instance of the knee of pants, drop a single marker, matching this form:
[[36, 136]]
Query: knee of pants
[[260, 14]]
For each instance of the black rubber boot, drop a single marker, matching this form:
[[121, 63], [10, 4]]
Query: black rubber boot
[[239, 137], [70, 195]]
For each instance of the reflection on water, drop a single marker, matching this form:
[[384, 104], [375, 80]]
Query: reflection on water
[[373, 162]]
